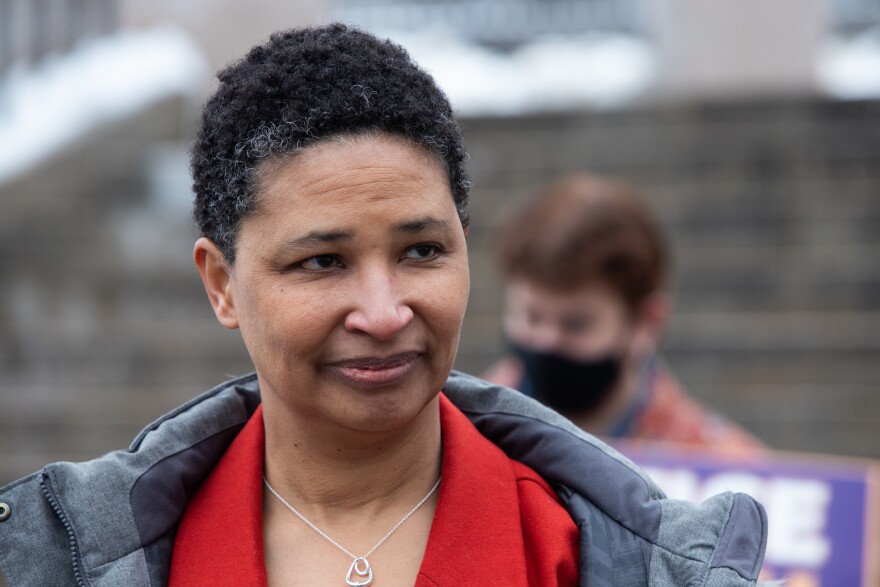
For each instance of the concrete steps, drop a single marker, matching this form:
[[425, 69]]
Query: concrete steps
[[773, 210], [104, 324]]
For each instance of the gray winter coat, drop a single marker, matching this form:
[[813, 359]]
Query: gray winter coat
[[111, 521]]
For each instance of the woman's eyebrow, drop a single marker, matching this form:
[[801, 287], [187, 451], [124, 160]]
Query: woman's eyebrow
[[321, 237], [316, 237], [423, 224]]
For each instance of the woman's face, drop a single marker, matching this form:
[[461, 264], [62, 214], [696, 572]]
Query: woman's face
[[350, 282]]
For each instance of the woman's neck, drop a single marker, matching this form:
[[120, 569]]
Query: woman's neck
[[332, 472]]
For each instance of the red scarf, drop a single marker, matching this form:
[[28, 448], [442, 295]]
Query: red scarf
[[497, 522]]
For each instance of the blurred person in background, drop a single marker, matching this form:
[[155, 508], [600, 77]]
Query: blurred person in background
[[585, 266]]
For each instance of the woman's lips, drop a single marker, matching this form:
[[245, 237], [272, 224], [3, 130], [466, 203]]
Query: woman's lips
[[368, 372]]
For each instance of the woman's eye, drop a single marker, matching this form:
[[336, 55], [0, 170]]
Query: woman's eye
[[320, 263], [422, 252]]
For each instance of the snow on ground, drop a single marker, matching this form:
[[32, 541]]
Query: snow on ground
[[849, 69], [548, 73], [45, 109]]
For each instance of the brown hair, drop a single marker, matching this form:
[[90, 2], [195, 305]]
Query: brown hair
[[585, 229]]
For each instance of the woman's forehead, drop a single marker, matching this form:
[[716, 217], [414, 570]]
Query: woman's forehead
[[373, 166], [345, 188]]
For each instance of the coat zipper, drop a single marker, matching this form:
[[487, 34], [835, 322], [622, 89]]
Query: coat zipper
[[81, 581]]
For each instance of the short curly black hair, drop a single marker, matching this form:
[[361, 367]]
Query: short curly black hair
[[301, 87]]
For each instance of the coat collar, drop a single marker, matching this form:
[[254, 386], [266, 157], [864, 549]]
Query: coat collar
[[478, 492]]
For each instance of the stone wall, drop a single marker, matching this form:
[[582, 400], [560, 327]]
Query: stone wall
[[773, 209]]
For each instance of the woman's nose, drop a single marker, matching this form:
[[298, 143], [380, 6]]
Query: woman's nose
[[379, 308]]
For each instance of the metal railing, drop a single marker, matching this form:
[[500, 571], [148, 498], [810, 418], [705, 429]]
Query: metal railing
[[503, 22], [31, 30]]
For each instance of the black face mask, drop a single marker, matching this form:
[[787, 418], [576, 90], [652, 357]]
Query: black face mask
[[566, 385]]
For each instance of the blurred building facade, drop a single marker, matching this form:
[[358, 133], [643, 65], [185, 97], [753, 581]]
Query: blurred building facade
[[769, 187]]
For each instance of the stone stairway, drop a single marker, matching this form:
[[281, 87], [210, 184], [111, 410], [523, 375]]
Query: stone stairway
[[103, 325], [773, 209]]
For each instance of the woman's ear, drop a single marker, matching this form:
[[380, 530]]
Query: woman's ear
[[217, 277]]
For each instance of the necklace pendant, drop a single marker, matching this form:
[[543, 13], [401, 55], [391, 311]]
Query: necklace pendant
[[364, 573]]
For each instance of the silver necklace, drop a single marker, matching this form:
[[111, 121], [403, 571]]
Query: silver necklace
[[360, 573]]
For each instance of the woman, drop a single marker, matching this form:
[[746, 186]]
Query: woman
[[584, 266], [332, 199]]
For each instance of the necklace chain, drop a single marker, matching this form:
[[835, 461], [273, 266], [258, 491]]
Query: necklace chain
[[336, 544]]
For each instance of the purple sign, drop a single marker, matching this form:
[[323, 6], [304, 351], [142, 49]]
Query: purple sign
[[822, 511]]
